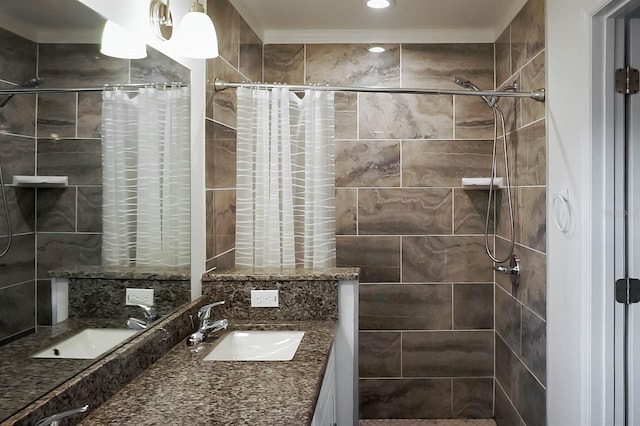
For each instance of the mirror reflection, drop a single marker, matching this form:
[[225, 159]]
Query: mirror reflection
[[85, 262]]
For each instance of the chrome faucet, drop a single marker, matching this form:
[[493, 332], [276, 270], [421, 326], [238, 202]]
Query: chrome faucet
[[206, 325], [55, 419], [150, 315]]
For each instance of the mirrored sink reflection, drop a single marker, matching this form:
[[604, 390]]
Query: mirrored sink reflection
[[256, 345], [87, 344]]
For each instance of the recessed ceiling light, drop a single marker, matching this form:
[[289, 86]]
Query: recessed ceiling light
[[378, 4], [376, 49]]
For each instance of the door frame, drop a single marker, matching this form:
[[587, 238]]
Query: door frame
[[601, 401]]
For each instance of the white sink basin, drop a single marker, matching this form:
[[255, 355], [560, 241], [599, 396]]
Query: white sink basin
[[256, 346], [87, 344]]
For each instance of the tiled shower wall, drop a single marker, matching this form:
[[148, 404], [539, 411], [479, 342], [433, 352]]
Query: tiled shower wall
[[520, 321], [427, 338], [57, 227]]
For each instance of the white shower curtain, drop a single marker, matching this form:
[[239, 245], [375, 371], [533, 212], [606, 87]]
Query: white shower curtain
[[146, 177], [285, 207]]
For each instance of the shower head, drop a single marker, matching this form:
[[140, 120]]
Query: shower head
[[463, 82], [32, 82]]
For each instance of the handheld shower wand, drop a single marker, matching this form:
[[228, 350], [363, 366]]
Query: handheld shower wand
[[463, 82]]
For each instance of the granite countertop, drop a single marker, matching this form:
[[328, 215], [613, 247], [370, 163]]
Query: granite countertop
[[177, 273], [181, 388], [277, 274]]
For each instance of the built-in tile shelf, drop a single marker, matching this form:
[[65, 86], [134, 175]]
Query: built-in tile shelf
[[482, 183], [41, 181]]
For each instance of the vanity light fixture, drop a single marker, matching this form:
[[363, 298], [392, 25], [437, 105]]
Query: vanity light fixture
[[196, 36], [378, 4], [376, 49], [161, 19], [119, 42]]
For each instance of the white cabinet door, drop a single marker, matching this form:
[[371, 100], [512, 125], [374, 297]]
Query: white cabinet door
[[325, 413]]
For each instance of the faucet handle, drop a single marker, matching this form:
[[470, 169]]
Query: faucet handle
[[54, 420], [149, 311], [205, 312]]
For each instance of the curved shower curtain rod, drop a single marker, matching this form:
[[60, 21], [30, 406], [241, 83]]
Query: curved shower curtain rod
[[537, 95]]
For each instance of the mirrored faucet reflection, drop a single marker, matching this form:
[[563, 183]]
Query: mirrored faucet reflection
[[55, 419], [150, 315], [206, 325]]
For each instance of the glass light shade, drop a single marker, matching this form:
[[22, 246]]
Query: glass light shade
[[121, 43], [196, 37], [376, 49], [378, 4]]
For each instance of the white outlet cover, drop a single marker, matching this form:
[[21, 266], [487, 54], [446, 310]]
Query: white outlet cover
[[264, 299], [136, 296]]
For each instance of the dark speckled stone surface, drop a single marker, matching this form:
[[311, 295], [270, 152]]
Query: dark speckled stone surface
[[123, 272], [264, 274], [181, 388]]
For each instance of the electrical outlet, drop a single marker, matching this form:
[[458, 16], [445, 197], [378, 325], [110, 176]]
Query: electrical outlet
[[264, 299], [142, 296]]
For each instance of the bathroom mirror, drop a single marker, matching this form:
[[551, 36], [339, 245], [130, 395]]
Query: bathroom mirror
[[62, 228]]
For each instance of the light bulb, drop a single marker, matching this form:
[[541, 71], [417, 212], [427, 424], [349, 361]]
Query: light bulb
[[119, 42], [376, 49], [378, 4]]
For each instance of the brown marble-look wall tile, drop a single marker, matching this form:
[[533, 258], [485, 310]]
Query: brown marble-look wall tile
[[221, 106], [437, 259], [210, 216], [473, 306], [226, 19], [532, 289], [43, 303], [444, 163], [223, 262], [378, 257], [405, 398], [57, 115], [346, 210], [503, 56], [510, 107], [433, 65], [473, 398], [224, 220], [527, 33], [505, 413], [503, 214], [18, 265], [89, 115], [18, 156], [400, 116], [18, 309], [404, 211], [532, 78], [504, 364], [353, 65], [80, 159], [158, 68], [220, 156], [474, 118], [18, 57], [405, 307], [508, 319], [78, 249], [530, 146], [367, 163], [79, 65], [89, 209], [19, 114], [531, 221], [22, 207], [57, 210], [530, 399], [284, 63], [250, 54], [470, 211], [447, 354], [379, 354], [346, 115], [534, 344]]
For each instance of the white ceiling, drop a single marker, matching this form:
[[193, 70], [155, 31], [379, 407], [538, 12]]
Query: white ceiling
[[408, 21], [293, 21], [51, 21]]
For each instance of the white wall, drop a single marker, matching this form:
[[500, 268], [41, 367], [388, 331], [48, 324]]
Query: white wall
[[577, 356], [134, 15]]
